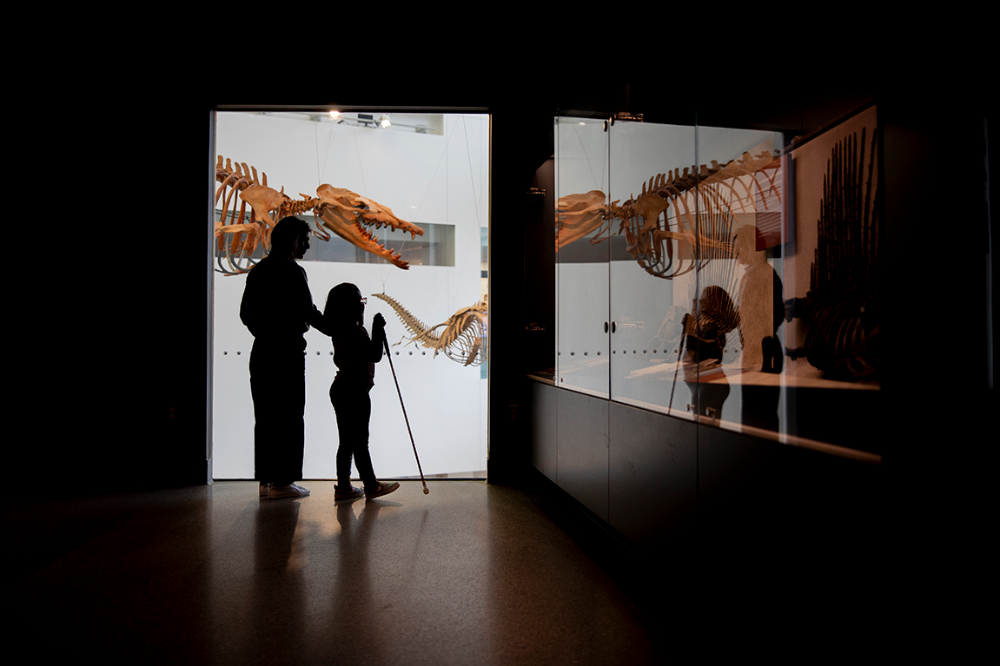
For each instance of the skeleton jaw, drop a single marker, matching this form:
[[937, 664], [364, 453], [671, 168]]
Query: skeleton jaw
[[344, 212], [579, 214]]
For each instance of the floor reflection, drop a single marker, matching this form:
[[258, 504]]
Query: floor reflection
[[471, 573]]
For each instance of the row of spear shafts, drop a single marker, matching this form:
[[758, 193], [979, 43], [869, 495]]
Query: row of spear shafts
[[845, 258]]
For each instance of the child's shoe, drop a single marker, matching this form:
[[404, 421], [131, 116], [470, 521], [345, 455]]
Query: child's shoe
[[381, 489], [347, 493]]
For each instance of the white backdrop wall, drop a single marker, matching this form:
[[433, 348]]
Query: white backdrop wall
[[423, 178]]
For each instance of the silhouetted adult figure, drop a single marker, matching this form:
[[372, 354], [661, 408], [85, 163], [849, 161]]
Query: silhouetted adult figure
[[762, 310], [355, 355], [278, 309]]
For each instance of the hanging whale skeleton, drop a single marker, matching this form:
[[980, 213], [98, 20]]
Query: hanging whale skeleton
[[335, 209], [463, 338]]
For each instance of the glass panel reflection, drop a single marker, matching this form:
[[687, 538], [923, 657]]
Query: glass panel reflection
[[831, 283], [736, 269], [735, 323], [582, 252], [652, 279]]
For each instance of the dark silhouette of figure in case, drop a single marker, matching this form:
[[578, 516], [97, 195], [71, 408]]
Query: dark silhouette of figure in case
[[705, 341], [278, 309], [355, 355]]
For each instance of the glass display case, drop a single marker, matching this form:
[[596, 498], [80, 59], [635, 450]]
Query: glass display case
[[726, 276], [583, 253]]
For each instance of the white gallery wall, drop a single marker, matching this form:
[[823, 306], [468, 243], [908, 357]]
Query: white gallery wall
[[424, 178]]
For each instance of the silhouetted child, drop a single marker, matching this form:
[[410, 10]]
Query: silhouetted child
[[355, 355], [705, 329]]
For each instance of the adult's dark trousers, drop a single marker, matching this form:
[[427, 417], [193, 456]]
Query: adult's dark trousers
[[278, 388], [353, 406]]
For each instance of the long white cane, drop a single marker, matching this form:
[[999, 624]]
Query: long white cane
[[385, 343]]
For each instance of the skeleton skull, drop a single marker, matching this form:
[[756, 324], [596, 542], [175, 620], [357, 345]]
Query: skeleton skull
[[344, 212]]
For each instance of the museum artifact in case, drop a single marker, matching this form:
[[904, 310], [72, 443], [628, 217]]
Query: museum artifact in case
[[723, 275]]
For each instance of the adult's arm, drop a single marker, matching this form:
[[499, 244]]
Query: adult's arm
[[316, 319]]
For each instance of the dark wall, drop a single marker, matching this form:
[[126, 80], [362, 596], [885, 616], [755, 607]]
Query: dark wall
[[936, 275], [115, 363]]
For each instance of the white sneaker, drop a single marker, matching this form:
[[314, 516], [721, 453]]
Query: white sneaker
[[293, 490]]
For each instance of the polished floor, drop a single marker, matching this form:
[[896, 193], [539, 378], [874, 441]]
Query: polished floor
[[472, 573]]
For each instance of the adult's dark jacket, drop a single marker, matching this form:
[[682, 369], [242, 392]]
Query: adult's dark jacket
[[277, 305]]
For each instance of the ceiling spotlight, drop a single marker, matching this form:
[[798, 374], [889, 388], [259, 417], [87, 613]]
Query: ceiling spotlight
[[334, 113], [384, 121]]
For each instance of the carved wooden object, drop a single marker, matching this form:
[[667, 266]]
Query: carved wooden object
[[842, 305]]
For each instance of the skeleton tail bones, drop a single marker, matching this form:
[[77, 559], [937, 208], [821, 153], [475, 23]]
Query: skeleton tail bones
[[463, 338]]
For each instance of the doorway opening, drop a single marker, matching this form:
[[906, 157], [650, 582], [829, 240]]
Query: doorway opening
[[429, 169]]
